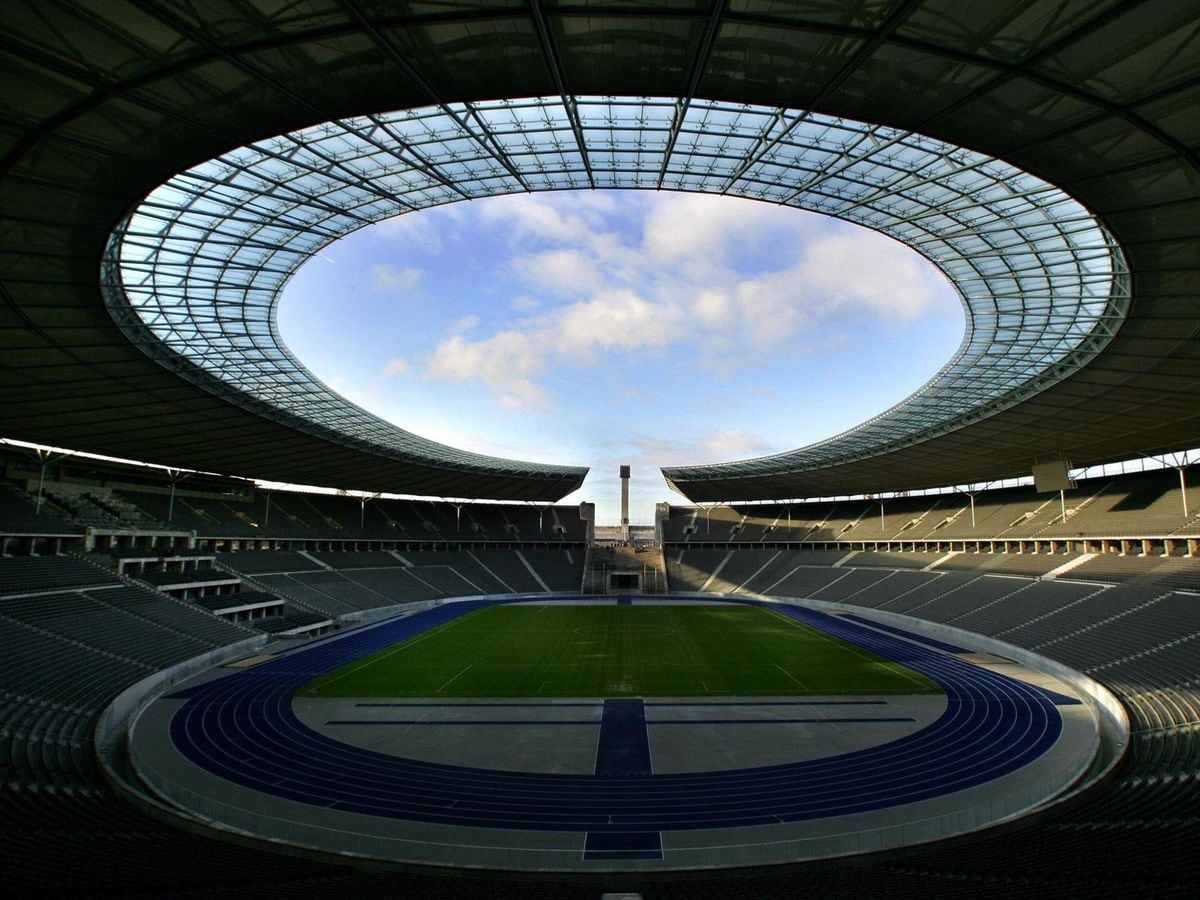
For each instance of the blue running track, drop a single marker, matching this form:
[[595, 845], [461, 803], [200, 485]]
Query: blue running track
[[241, 727]]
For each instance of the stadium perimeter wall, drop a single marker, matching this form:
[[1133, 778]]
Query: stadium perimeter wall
[[111, 728]]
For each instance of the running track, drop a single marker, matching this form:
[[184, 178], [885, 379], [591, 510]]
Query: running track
[[242, 728]]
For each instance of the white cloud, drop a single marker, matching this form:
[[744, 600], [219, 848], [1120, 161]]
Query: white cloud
[[389, 278], [505, 362], [465, 324], [609, 320], [712, 307], [692, 278], [566, 272], [419, 231], [863, 270], [769, 309], [586, 232], [510, 360], [529, 216], [508, 352], [701, 231], [733, 444], [397, 365], [523, 394], [653, 452]]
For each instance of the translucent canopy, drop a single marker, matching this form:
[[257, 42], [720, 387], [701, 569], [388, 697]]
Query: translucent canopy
[[194, 274]]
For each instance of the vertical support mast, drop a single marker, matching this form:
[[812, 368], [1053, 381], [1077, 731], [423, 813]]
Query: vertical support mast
[[625, 503]]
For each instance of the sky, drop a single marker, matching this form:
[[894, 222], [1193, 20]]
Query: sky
[[608, 328]]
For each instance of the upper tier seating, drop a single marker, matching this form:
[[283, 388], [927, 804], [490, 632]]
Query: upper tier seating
[[250, 562], [19, 514], [1141, 504], [241, 513], [31, 574]]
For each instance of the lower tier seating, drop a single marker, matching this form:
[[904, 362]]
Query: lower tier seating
[[346, 582], [64, 834]]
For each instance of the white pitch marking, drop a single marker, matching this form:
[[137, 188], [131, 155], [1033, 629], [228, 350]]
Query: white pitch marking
[[803, 686], [448, 683]]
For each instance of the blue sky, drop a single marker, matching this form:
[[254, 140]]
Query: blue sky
[[606, 328]]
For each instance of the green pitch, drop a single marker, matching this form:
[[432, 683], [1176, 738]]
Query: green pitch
[[613, 651]]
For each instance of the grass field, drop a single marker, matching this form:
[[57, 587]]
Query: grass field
[[614, 651]]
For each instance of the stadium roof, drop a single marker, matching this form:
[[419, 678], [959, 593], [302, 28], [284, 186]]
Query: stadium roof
[[1084, 321]]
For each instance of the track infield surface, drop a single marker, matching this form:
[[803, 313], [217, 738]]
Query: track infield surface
[[561, 650]]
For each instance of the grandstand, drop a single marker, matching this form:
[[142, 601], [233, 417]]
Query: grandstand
[[1045, 157]]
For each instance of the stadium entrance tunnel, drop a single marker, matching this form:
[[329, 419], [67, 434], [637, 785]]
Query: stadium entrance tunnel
[[489, 754]]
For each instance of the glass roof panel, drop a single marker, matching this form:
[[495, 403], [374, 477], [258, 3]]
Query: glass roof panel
[[208, 252]]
